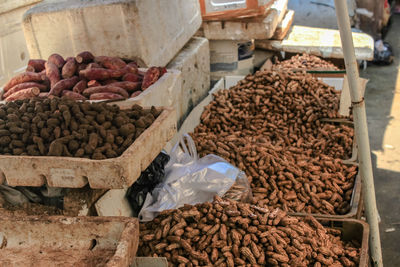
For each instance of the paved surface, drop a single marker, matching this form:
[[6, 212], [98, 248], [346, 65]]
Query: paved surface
[[383, 113]]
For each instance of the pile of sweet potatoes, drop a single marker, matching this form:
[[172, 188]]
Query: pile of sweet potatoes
[[80, 78]]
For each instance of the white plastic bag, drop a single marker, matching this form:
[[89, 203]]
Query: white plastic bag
[[190, 180]]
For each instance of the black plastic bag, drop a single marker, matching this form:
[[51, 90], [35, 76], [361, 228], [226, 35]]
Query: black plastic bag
[[383, 53], [149, 178]]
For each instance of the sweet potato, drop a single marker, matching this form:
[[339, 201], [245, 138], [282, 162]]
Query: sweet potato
[[30, 69], [93, 83], [22, 86], [96, 74], [52, 73], [84, 57], [24, 94], [93, 65], [80, 86], [106, 89], [73, 95], [22, 78], [152, 75], [105, 96], [113, 63], [135, 94], [131, 69], [133, 64], [43, 95], [109, 81], [101, 74], [37, 64], [81, 66], [63, 85], [128, 86], [69, 68], [57, 60], [132, 77]]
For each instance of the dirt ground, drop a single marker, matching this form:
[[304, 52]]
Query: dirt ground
[[383, 113]]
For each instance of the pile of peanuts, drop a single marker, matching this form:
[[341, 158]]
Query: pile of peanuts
[[287, 179], [271, 126], [228, 233], [304, 61]]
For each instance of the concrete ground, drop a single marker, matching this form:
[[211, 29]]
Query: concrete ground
[[383, 113]]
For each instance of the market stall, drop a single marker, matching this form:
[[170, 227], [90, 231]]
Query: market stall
[[145, 166]]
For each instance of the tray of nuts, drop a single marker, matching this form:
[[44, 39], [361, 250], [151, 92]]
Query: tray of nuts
[[63, 143], [273, 126], [240, 234]]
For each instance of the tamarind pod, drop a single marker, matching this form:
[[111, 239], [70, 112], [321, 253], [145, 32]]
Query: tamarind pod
[[63, 85], [52, 73], [132, 77], [24, 94], [37, 64], [84, 57], [57, 60], [104, 96], [112, 63], [106, 89], [80, 87], [73, 95], [22, 78], [128, 86], [69, 68], [22, 86], [93, 83]]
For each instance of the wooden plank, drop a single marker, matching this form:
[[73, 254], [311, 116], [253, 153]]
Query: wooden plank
[[320, 42], [284, 26]]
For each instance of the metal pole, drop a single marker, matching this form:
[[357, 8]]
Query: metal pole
[[361, 130]]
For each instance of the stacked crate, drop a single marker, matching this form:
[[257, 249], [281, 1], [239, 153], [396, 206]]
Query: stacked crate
[[232, 50]]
